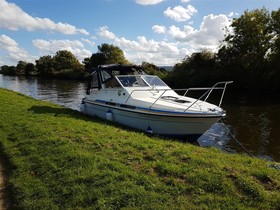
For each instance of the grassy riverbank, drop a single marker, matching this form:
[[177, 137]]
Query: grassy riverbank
[[60, 159]]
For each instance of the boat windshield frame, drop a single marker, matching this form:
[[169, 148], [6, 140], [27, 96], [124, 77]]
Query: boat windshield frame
[[140, 81], [131, 81], [154, 81]]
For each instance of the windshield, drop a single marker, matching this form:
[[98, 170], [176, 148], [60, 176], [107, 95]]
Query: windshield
[[154, 81], [132, 81]]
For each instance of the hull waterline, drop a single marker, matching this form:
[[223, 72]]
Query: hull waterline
[[191, 126]]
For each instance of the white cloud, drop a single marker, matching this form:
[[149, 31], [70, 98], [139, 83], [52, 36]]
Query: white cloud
[[176, 33], [232, 14], [52, 46], [159, 29], [209, 35], [12, 52], [141, 49], [91, 43], [13, 17], [148, 2], [105, 33], [185, 1], [179, 13], [187, 40]]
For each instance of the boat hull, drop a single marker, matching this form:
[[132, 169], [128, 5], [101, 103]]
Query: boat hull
[[191, 126]]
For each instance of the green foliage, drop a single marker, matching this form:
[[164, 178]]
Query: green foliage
[[244, 56], [274, 56], [45, 65], [8, 70], [250, 56], [30, 69], [64, 59], [154, 70], [275, 25], [251, 37], [112, 54], [63, 65], [70, 74], [60, 159], [107, 54], [195, 70], [95, 60], [21, 67]]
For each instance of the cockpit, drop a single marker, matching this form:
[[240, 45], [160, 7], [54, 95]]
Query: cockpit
[[119, 76], [140, 81]]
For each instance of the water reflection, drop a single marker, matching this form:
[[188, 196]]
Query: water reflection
[[66, 93], [219, 136], [256, 126], [252, 118]]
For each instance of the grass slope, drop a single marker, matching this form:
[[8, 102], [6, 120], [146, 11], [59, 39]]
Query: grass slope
[[60, 159]]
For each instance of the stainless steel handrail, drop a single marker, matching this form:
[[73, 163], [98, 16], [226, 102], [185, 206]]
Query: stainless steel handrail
[[207, 93]]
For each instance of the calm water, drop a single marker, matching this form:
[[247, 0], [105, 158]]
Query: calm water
[[254, 119]]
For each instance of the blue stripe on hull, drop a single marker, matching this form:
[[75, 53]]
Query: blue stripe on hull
[[158, 124], [154, 111]]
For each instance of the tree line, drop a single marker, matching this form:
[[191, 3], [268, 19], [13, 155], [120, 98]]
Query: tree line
[[249, 55], [62, 65], [65, 65]]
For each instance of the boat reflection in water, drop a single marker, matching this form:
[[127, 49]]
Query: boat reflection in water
[[128, 96]]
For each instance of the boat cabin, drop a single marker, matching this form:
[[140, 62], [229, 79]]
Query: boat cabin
[[122, 76]]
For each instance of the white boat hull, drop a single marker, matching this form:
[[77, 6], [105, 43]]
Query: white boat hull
[[125, 94], [157, 123]]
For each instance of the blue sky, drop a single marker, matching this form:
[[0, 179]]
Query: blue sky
[[162, 32]]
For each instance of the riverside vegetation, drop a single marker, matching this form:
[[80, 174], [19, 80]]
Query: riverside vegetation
[[58, 158], [249, 55]]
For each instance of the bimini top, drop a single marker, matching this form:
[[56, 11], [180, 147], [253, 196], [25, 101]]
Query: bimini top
[[104, 73], [120, 68]]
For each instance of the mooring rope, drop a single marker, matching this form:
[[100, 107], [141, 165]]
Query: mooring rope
[[238, 142]]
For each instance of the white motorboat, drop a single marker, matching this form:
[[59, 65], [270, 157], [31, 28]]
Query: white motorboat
[[127, 95]]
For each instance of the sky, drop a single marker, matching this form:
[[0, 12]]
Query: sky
[[162, 32]]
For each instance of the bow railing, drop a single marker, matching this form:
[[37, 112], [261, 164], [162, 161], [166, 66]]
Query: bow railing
[[206, 94]]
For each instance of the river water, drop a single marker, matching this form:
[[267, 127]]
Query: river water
[[253, 119]]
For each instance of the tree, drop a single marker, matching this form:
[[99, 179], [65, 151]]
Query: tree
[[195, 70], [251, 37], [29, 68], [154, 70], [21, 67], [7, 70], [64, 59], [95, 60], [244, 53], [44, 65], [12, 70], [112, 54], [107, 54], [275, 26], [274, 56], [86, 63]]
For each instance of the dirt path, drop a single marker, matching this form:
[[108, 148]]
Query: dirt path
[[2, 189], [5, 196]]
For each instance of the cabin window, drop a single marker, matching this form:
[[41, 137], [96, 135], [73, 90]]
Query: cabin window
[[112, 83], [105, 75], [94, 81]]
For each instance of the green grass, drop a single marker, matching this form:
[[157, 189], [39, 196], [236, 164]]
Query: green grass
[[60, 159]]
